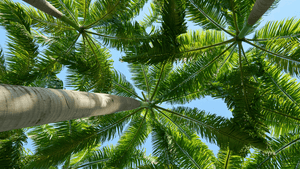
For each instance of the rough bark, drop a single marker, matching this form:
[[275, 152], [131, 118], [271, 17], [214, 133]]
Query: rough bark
[[259, 8], [30, 106]]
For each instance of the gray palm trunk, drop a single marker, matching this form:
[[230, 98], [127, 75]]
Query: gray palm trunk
[[260, 7], [47, 8], [22, 106]]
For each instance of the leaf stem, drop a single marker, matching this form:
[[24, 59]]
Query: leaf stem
[[211, 20], [282, 148], [203, 68], [162, 70], [214, 45], [189, 137], [272, 53], [73, 43], [282, 114], [109, 12], [124, 88]]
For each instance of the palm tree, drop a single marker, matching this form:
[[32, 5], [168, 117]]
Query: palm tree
[[72, 36], [174, 131], [251, 91], [20, 67], [46, 7], [36, 106], [34, 100]]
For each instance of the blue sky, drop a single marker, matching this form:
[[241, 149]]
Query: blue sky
[[285, 9]]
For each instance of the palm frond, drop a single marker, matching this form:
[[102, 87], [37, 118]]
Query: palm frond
[[217, 130], [2, 67], [207, 14], [162, 146], [283, 54], [12, 152], [23, 51], [84, 72], [192, 77], [84, 134], [191, 153], [133, 137], [226, 160], [140, 77], [281, 95], [276, 30], [153, 16], [121, 87], [285, 156]]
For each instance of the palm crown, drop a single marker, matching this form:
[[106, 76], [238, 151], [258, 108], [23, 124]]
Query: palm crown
[[251, 82]]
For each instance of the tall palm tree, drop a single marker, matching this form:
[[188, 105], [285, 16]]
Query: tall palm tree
[[174, 131], [33, 100], [211, 56], [20, 67], [79, 22]]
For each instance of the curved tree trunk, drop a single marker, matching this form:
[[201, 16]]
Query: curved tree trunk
[[46, 7], [260, 7], [30, 106]]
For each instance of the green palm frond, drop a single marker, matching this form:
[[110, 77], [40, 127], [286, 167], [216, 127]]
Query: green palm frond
[[92, 157], [164, 43], [84, 134], [278, 30], [282, 53], [89, 69], [159, 73], [281, 116], [105, 10], [46, 23], [22, 57], [196, 43], [285, 156], [162, 146], [192, 153], [191, 78], [14, 12], [12, 152], [216, 129], [168, 121], [206, 14], [173, 24], [134, 136], [140, 76], [99, 158], [227, 160], [242, 95], [282, 93], [121, 87], [3, 66], [25, 65], [171, 143], [67, 7], [153, 15], [120, 34]]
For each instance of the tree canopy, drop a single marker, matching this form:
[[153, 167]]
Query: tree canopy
[[170, 65]]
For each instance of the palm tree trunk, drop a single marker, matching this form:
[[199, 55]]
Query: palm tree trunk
[[259, 8], [30, 106], [46, 7]]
